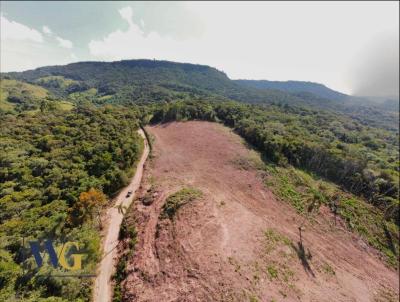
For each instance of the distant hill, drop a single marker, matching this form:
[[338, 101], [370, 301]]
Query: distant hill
[[390, 103], [138, 81], [115, 77], [296, 87], [149, 81]]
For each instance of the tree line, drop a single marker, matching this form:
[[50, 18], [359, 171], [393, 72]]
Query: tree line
[[361, 159]]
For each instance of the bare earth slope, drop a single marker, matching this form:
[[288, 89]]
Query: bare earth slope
[[237, 242]]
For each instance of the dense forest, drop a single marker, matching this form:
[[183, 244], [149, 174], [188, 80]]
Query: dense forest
[[56, 168], [68, 142], [295, 87]]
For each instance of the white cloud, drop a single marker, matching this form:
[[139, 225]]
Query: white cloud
[[23, 48], [126, 13], [24, 55], [134, 43], [260, 40], [11, 30], [61, 42], [64, 43], [46, 30]]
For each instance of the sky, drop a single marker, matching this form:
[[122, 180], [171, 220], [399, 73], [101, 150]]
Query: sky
[[352, 47]]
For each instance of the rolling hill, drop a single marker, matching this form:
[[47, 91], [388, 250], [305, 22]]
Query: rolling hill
[[141, 81], [296, 87], [149, 81]]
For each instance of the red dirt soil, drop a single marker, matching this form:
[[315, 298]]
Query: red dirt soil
[[215, 248]]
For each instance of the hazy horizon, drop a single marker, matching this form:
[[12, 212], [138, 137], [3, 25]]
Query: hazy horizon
[[259, 41]]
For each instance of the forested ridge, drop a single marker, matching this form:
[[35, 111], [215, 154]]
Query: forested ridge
[[296, 86], [68, 142], [146, 81]]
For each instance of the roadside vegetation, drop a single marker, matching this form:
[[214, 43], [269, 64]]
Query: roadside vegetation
[[128, 240]]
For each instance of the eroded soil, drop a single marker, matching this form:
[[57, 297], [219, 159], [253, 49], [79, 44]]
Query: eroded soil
[[237, 242]]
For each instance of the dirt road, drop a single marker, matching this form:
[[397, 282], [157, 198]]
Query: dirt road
[[102, 286], [237, 242]]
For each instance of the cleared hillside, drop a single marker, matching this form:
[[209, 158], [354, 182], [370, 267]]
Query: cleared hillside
[[235, 240]]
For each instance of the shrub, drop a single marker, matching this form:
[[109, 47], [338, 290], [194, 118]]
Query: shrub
[[177, 200]]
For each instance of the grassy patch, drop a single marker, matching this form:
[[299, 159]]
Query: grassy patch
[[250, 162], [371, 225], [272, 272], [177, 200], [277, 260], [293, 186], [64, 105], [273, 239], [106, 97], [386, 295], [57, 81], [253, 299], [289, 185], [86, 95], [8, 87], [4, 105], [327, 269]]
